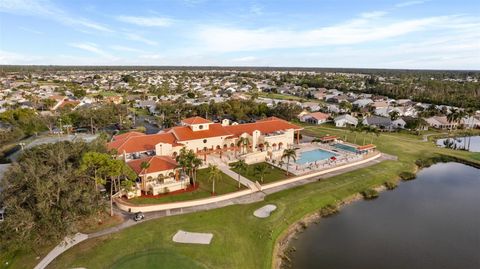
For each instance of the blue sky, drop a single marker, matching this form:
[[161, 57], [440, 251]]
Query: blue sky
[[433, 34]]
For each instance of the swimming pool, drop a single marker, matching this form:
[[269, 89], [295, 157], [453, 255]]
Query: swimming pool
[[346, 147], [314, 155]]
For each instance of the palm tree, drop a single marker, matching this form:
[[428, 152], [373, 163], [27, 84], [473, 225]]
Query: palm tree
[[289, 154], [260, 170], [144, 165], [453, 116], [214, 174], [196, 163], [241, 166], [367, 130], [470, 113], [394, 115], [375, 132], [243, 142]]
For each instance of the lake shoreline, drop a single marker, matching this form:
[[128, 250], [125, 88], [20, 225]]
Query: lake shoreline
[[281, 245]]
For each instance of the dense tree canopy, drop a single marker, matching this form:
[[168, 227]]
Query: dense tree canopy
[[46, 193]]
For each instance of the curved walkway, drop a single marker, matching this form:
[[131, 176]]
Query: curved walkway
[[251, 197]]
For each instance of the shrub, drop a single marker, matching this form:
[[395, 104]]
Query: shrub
[[369, 194], [390, 185], [407, 176], [329, 210]]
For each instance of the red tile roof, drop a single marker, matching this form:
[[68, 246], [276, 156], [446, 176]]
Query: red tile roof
[[157, 164], [318, 115], [183, 133], [127, 135], [365, 147], [141, 143], [264, 126], [195, 120], [269, 119]]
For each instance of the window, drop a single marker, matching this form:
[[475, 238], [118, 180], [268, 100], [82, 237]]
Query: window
[[200, 127], [204, 140]]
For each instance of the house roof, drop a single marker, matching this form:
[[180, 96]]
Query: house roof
[[380, 121], [265, 126], [319, 115], [157, 164], [127, 135], [183, 133], [195, 120], [347, 117], [140, 143]]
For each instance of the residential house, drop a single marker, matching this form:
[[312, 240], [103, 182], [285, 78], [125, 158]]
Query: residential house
[[362, 102], [382, 123], [345, 120], [441, 122], [315, 118]]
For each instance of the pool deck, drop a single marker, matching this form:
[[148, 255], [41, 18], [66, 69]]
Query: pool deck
[[342, 157]]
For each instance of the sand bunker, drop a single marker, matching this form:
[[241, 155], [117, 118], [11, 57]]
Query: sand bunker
[[265, 211], [192, 238]]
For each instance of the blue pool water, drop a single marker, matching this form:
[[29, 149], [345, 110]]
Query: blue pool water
[[314, 155], [345, 147]]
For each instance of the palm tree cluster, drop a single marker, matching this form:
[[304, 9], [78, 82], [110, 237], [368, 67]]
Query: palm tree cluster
[[189, 162], [289, 154]]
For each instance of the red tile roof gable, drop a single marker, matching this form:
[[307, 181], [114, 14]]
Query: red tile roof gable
[[157, 164], [195, 120]]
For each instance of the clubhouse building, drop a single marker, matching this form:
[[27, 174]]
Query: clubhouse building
[[261, 140]]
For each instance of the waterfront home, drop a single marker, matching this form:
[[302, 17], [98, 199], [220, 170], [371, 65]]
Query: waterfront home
[[470, 122], [441, 122]]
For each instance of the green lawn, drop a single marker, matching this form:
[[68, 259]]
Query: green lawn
[[223, 186], [273, 173], [241, 240]]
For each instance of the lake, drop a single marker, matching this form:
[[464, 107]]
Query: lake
[[474, 143], [431, 222]]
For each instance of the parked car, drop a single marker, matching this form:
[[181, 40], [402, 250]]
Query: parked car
[[138, 216], [2, 213]]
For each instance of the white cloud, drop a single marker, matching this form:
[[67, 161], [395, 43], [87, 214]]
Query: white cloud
[[245, 59], [373, 14], [33, 31], [91, 47], [410, 3], [46, 9], [360, 30], [146, 21], [139, 38], [124, 48], [7, 57]]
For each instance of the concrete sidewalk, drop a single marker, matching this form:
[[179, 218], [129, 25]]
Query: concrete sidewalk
[[226, 169], [67, 243]]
